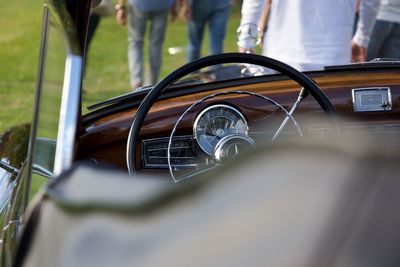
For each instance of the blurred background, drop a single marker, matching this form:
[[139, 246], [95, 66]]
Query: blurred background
[[107, 67]]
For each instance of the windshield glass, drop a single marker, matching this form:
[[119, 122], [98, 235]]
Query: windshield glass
[[129, 50], [107, 68]]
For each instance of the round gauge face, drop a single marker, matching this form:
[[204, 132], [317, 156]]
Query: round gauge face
[[216, 122]]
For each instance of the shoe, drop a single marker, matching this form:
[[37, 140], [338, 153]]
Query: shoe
[[136, 86]]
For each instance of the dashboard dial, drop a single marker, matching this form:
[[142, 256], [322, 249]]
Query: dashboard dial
[[216, 122]]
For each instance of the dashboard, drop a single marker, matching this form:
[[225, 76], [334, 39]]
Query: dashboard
[[194, 125]]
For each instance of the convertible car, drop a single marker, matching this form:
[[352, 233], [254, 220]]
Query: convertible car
[[199, 118]]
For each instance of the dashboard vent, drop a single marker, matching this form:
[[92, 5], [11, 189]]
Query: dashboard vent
[[183, 152]]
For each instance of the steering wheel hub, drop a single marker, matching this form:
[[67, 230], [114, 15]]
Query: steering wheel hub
[[230, 146]]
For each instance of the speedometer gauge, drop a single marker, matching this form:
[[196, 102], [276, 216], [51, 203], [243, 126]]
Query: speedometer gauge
[[216, 122]]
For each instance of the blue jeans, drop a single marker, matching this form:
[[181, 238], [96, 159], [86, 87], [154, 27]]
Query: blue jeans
[[385, 40], [136, 31], [216, 14]]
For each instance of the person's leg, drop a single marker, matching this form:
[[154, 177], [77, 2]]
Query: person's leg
[[391, 48], [378, 38], [159, 22], [136, 30], [196, 30], [217, 27]]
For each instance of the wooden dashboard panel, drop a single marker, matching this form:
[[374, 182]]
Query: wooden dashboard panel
[[105, 138]]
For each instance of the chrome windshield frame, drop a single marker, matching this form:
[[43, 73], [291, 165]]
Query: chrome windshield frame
[[56, 12]]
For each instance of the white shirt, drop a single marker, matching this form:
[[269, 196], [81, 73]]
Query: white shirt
[[310, 34], [389, 11], [251, 11]]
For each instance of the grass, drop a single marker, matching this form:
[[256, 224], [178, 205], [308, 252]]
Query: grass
[[19, 47], [107, 67]]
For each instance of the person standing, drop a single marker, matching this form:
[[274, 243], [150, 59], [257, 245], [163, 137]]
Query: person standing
[[199, 13], [311, 34], [138, 13], [385, 37]]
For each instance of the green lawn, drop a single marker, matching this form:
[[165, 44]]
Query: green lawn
[[19, 46], [107, 69]]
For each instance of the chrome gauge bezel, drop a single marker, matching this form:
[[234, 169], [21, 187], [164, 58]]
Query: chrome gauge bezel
[[208, 109]]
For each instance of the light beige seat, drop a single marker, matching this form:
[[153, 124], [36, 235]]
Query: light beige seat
[[291, 204]]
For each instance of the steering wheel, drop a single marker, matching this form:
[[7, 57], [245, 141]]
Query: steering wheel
[[304, 81]]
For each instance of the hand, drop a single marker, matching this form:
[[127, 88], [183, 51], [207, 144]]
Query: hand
[[244, 50], [261, 44], [358, 53], [121, 16]]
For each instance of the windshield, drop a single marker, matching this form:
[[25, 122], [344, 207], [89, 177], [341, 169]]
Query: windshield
[[134, 51], [107, 71]]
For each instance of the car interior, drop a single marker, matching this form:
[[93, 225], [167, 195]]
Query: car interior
[[234, 159]]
